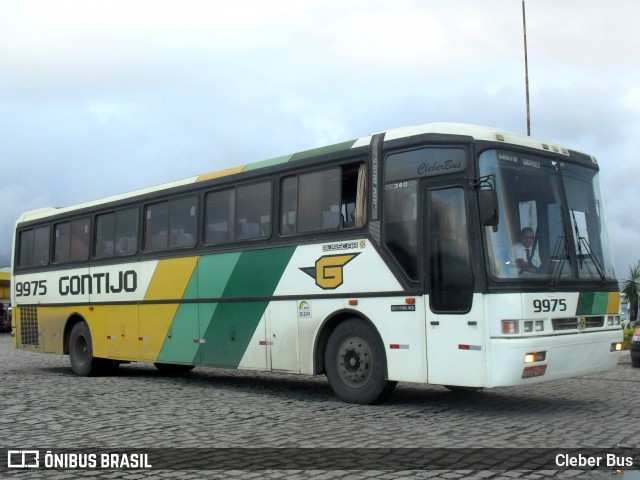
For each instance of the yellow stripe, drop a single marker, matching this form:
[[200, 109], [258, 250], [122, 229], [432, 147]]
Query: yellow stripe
[[613, 302], [220, 173], [171, 278]]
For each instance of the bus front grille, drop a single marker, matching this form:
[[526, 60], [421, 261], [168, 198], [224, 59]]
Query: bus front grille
[[29, 326], [577, 323]]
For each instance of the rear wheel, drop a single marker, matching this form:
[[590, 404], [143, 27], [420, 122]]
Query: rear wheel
[[635, 362], [356, 365], [81, 351]]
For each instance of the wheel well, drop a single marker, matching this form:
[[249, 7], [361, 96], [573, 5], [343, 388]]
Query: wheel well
[[73, 319], [327, 329]]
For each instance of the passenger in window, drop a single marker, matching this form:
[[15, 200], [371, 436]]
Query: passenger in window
[[249, 228], [525, 253], [125, 246]]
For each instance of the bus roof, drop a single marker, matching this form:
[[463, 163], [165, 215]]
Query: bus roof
[[474, 131]]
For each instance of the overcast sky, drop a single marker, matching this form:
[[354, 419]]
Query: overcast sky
[[102, 97]]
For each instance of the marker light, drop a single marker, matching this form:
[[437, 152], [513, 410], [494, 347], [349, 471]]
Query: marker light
[[510, 327], [616, 347]]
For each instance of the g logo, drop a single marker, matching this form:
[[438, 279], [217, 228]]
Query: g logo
[[328, 272]]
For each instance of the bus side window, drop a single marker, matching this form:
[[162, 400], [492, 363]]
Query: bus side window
[[450, 258], [289, 206], [325, 200], [401, 224], [117, 233], [218, 214], [71, 242], [253, 211], [33, 247], [182, 222]]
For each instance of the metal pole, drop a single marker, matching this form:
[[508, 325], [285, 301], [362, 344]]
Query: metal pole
[[526, 69]]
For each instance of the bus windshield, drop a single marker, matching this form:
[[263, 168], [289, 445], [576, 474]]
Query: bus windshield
[[551, 225]]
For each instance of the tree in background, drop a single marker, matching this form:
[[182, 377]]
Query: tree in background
[[630, 288]]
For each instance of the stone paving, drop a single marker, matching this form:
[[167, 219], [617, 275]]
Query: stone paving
[[45, 406]]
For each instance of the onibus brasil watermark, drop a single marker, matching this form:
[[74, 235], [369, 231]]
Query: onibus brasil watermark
[[70, 460]]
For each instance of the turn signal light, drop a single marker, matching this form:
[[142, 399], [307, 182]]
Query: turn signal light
[[510, 327]]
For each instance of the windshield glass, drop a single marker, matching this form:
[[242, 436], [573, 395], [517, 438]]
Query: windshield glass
[[551, 225]]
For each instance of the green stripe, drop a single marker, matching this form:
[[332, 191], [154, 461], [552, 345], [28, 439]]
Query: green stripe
[[267, 163], [592, 303], [232, 325], [227, 328], [300, 155], [323, 150], [209, 280]]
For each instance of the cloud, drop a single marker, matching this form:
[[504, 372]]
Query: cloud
[[103, 97]]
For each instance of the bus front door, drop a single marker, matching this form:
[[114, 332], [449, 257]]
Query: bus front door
[[454, 327]]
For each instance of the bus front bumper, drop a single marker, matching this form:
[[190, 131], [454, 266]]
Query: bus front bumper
[[554, 357]]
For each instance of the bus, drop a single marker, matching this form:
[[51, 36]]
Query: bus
[[388, 258]]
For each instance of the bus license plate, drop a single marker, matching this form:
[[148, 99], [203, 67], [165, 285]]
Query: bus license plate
[[534, 371]]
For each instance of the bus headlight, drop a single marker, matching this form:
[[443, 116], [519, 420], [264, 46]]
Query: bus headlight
[[535, 357]]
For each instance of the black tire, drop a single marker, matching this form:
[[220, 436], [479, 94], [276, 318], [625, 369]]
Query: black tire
[[173, 368], [81, 351], [635, 362], [356, 364]]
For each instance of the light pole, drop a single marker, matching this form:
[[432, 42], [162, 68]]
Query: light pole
[[526, 69]]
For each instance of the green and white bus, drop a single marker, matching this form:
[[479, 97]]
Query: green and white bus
[[383, 259]]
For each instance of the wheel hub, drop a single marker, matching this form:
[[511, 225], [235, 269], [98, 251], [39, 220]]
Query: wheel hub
[[355, 361]]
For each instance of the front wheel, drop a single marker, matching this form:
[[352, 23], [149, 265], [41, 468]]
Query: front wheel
[[356, 365]]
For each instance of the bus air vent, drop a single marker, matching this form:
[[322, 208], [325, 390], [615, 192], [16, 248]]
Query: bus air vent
[[594, 322], [29, 326], [570, 323]]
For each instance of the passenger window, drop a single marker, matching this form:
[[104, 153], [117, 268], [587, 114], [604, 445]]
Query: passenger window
[[217, 215], [242, 213], [33, 247], [71, 241], [325, 200], [253, 211], [182, 222], [117, 233], [170, 224], [319, 201]]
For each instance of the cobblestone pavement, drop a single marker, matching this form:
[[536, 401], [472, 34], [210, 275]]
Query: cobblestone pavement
[[45, 406]]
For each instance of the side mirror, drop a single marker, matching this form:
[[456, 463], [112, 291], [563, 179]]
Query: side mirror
[[489, 208]]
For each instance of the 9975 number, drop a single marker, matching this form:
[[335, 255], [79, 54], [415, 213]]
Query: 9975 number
[[34, 287], [550, 305]]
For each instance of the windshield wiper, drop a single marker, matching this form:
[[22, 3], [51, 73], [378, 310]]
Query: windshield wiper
[[560, 255], [582, 241]]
